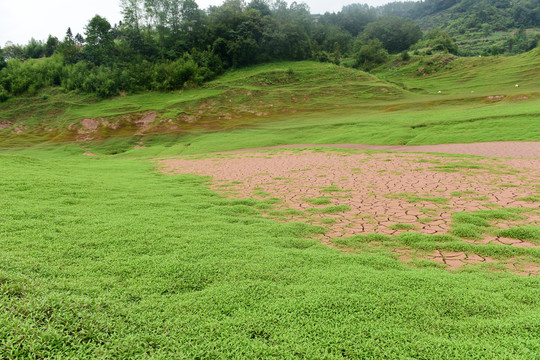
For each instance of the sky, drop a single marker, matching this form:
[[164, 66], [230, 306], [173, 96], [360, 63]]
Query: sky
[[21, 20]]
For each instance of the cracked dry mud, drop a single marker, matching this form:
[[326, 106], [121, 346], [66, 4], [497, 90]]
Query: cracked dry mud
[[387, 193]]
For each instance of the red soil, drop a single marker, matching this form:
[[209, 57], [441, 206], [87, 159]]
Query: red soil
[[381, 189], [514, 149]]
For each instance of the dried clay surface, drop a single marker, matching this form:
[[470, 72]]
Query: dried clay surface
[[353, 193]]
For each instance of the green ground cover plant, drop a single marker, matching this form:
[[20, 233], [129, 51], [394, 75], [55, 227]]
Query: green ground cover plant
[[529, 233], [321, 200], [105, 257], [336, 209], [465, 225], [414, 198]]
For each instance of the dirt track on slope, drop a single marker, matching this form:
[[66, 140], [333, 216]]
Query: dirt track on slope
[[513, 149], [379, 192]]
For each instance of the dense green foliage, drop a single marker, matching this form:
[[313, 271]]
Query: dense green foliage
[[474, 22], [172, 44], [464, 15]]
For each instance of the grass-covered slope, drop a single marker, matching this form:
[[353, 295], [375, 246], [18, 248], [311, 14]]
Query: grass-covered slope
[[454, 75], [238, 98], [105, 258], [440, 99]]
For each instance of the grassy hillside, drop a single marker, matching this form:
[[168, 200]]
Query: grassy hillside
[[454, 75], [239, 98], [440, 99]]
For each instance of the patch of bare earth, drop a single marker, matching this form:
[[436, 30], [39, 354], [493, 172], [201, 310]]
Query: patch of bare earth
[[378, 193], [5, 124], [89, 129]]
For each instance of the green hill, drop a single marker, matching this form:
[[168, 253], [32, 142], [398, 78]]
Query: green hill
[[437, 99], [477, 26]]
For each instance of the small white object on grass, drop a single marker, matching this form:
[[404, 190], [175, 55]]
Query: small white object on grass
[[439, 92], [517, 85]]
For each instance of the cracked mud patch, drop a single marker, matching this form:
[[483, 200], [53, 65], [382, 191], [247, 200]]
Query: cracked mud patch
[[385, 193]]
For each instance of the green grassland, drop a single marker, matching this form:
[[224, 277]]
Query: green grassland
[[105, 257]]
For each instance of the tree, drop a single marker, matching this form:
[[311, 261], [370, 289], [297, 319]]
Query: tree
[[69, 49], [13, 51], [3, 63], [395, 34], [355, 17], [99, 40], [51, 45], [133, 14], [261, 5], [440, 40], [370, 55], [34, 49]]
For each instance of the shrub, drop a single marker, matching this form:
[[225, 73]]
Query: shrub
[[3, 94], [371, 55], [404, 55]]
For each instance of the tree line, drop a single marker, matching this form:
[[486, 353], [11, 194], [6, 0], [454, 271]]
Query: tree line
[[169, 44]]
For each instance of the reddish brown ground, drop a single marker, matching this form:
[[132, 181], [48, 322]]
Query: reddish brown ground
[[381, 190], [514, 149]]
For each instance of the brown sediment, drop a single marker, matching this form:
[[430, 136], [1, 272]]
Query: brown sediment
[[378, 190], [89, 124]]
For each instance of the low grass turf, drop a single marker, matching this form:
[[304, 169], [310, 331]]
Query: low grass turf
[[107, 258]]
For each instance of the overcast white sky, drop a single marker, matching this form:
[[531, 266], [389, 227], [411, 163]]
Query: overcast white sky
[[21, 20]]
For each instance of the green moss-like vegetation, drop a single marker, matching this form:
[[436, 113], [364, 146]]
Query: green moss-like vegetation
[[472, 219], [413, 198], [456, 166], [467, 231], [529, 233], [332, 189], [462, 193], [329, 209], [143, 261], [529, 198], [318, 201]]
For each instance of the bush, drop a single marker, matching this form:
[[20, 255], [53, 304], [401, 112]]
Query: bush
[[438, 40], [371, 55], [322, 56], [404, 56], [4, 95]]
